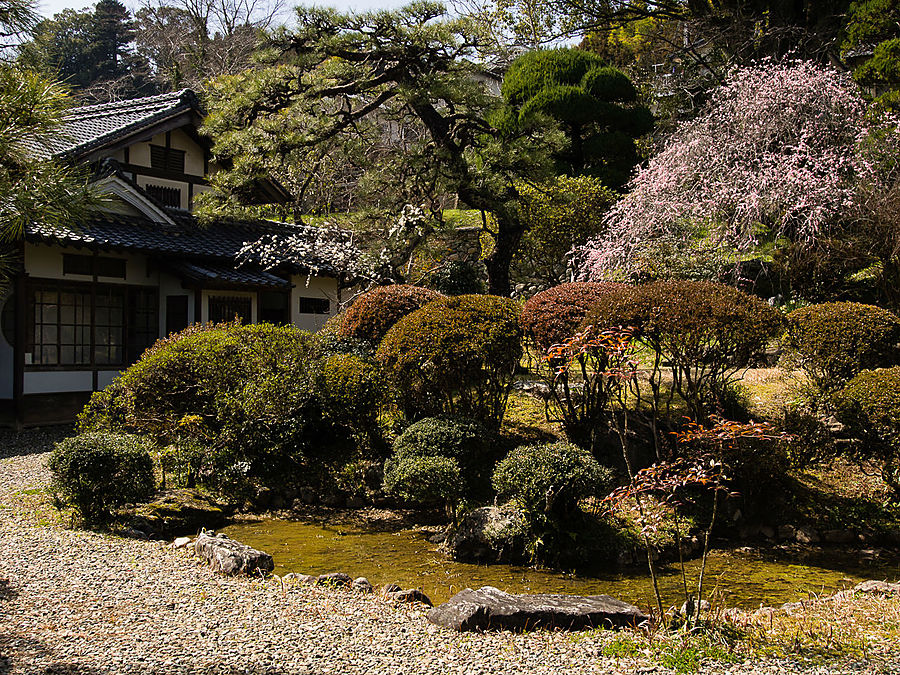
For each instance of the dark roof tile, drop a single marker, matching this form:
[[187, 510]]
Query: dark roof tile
[[220, 240]]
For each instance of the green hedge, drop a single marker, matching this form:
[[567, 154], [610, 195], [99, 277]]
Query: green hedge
[[834, 341], [549, 479], [98, 472], [250, 392], [870, 406]]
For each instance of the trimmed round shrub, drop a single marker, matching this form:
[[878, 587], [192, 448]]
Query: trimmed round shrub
[[550, 478], [374, 312], [424, 480], [351, 391], [551, 316], [456, 355], [870, 406], [834, 341], [705, 332], [462, 439], [98, 472], [458, 438]]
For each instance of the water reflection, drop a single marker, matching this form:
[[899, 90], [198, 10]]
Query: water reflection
[[745, 579]]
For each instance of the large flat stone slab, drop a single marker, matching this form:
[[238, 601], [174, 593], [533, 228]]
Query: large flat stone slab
[[489, 608], [231, 557]]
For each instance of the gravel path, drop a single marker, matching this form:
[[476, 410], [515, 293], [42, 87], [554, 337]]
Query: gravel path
[[80, 603]]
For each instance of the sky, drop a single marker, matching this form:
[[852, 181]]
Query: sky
[[51, 7]]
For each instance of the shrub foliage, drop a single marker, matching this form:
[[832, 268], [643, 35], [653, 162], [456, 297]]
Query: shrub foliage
[[549, 479], [97, 472], [252, 388], [436, 460], [552, 316], [703, 333], [834, 341], [373, 313], [870, 406], [456, 355]]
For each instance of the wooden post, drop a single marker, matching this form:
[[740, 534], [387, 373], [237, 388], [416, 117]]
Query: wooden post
[[198, 304], [21, 305]]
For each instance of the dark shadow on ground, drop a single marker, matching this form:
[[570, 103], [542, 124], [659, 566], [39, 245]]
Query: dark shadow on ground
[[32, 441]]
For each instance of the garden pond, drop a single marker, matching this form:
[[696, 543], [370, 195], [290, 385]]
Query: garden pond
[[745, 578]]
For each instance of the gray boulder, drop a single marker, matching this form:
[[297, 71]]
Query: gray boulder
[[334, 579], [409, 595], [490, 608], [231, 557], [877, 587], [488, 534], [362, 585]]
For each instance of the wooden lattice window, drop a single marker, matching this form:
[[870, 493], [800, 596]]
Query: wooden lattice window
[[167, 196], [166, 159], [227, 308]]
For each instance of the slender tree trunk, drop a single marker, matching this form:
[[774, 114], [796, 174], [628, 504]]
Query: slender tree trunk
[[498, 263]]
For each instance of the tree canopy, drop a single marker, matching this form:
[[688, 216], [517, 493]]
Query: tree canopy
[[596, 105], [335, 76], [776, 156], [33, 186]]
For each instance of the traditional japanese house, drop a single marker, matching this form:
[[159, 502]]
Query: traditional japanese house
[[88, 301]]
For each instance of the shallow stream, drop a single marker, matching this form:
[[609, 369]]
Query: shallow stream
[[744, 578]]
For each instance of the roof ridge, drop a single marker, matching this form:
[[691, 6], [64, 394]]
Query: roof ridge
[[129, 104]]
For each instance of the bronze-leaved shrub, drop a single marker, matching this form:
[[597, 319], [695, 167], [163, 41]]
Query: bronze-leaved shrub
[[374, 312], [551, 316], [456, 355], [703, 333]]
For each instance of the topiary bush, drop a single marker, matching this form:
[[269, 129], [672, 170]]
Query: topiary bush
[[870, 406], [465, 440], [98, 472], [551, 316], [252, 388], [460, 440], [351, 390], [834, 341], [456, 355], [374, 312], [703, 333], [425, 480], [549, 479]]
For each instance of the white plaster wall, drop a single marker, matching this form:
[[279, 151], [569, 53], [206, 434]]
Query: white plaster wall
[[104, 377], [139, 153], [317, 287], [204, 309], [46, 262], [51, 382], [6, 356]]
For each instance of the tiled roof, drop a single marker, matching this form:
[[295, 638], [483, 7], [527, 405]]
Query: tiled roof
[[220, 241], [93, 126], [212, 274]]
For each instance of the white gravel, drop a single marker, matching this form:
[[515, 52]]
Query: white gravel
[[81, 603]]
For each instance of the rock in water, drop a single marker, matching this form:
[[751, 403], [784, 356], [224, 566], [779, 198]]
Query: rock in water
[[176, 512], [231, 557], [488, 534], [490, 608]]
